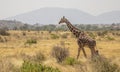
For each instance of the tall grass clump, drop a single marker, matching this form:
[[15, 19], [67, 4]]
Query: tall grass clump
[[38, 57], [6, 65], [65, 35], [31, 41], [60, 53], [54, 36], [91, 35], [102, 33], [1, 39], [102, 64], [70, 61], [36, 67], [110, 38]]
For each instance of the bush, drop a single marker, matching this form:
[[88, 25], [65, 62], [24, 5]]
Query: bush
[[101, 64], [117, 34], [4, 39], [31, 41], [70, 61], [91, 35], [35, 67], [50, 32], [110, 38], [60, 53], [1, 39], [54, 36], [4, 32], [103, 33]]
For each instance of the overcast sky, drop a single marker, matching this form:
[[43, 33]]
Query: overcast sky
[[95, 7]]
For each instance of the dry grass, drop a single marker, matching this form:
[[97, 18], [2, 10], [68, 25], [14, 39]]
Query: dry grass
[[15, 46]]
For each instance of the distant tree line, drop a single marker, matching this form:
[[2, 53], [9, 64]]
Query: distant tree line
[[85, 27], [16, 25]]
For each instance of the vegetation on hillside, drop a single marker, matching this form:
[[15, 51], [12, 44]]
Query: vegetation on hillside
[[16, 25]]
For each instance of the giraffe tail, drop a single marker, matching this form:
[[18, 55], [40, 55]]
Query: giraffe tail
[[97, 50], [96, 47]]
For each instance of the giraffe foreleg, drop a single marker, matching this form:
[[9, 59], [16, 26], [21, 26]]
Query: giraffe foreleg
[[79, 49], [92, 54]]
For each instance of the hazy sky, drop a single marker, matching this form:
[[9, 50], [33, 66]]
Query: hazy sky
[[95, 7]]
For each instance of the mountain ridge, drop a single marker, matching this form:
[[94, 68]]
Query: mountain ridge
[[51, 15]]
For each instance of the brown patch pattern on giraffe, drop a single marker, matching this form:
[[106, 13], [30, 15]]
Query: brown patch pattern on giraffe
[[82, 39]]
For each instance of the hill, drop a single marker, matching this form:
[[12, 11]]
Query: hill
[[52, 16]]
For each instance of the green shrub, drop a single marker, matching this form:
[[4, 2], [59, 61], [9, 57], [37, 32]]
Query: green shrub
[[91, 35], [35, 67], [54, 36], [31, 41], [110, 38], [70, 61], [60, 53]]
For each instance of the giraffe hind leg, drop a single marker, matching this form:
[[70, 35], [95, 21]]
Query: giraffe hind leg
[[93, 52], [84, 52]]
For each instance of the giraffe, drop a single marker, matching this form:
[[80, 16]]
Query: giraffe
[[82, 39]]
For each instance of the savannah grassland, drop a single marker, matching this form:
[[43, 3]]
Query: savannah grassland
[[15, 48]]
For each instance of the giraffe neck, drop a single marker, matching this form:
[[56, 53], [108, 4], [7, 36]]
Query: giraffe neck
[[73, 29]]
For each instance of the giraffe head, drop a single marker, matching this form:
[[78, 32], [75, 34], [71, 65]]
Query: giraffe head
[[63, 20]]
